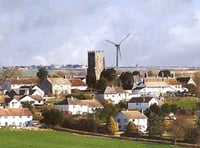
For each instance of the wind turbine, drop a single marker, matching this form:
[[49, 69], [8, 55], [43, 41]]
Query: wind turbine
[[118, 52]]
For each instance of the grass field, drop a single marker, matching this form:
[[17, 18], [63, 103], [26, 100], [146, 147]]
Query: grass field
[[54, 139], [187, 103]]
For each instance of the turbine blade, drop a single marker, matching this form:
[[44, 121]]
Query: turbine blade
[[124, 38], [110, 42], [119, 53]]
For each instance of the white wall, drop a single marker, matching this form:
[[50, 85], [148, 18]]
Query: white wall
[[18, 121]]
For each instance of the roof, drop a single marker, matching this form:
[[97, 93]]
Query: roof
[[77, 82], [15, 112], [134, 115], [59, 81], [183, 79], [37, 97], [75, 101], [140, 99], [92, 103], [23, 80], [156, 84], [172, 81], [113, 90]]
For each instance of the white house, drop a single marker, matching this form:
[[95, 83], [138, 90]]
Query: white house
[[18, 117], [78, 84], [35, 100], [113, 94], [16, 83], [75, 106], [56, 86], [14, 103], [142, 103], [124, 117]]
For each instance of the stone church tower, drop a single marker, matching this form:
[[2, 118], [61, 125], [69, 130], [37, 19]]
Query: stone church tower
[[96, 63]]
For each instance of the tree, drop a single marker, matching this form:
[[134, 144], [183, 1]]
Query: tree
[[166, 109], [136, 73], [61, 73], [42, 74], [131, 128], [101, 84], [91, 80], [150, 73], [108, 110], [192, 135], [112, 126], [11, 73], [127, 80], [155, 125], [164, 73], [52, 116], [179, 127], [173, 108], [196, 78], [155, 109], [109, 74]]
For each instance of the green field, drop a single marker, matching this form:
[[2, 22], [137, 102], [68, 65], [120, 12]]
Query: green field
[[187, 103], [54, 139]]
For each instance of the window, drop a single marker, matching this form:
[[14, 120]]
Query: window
[[13, 117], [118, 120], [20, 116], [5, 117]]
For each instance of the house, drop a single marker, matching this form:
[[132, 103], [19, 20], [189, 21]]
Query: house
[[13, 103], [174, 84], [35, 99], [186, 80], [26, 90], [17, 117], [16, 83], [78, 84], [74, 106], [124, 117], [142, 103], [113, 94], [158, 86], [56, 86]]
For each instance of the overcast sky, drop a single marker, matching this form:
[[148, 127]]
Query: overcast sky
[[45, 32]]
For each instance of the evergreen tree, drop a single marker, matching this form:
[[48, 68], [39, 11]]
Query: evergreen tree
[[112, 126], [131, 128], [42, 74]]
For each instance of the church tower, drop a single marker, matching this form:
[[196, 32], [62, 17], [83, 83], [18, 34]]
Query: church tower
[[96, 63]]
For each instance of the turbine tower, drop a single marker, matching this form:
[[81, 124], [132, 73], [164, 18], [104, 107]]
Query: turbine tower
[[118, 52]]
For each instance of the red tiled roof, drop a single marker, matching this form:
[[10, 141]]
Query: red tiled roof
[[77, 82], [22, 80], [15, 112]]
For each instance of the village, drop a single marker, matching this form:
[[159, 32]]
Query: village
[[129, 103]]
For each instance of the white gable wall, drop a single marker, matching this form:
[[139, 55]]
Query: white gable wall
[[123, 121]]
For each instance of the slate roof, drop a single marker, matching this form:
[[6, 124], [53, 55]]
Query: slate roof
[[15, 112], [134, 115], [140, 99], [183, 79]]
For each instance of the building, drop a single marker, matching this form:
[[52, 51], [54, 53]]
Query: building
[[74, 106], [124, 117], [142, 103], [113, 94], [17, 117], [96, 63], [56, 86]]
